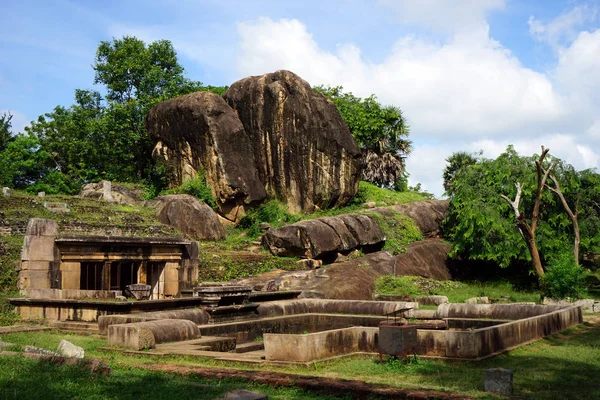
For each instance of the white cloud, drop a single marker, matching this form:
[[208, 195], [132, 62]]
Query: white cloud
[[468, 93], [563, 27], [443, 15]]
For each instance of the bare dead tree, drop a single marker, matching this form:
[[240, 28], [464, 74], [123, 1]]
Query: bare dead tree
[[572, 215], [528, 230]]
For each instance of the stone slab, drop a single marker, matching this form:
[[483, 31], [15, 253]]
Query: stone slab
[[499, 380]]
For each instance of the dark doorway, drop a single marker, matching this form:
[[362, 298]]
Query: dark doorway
[[91, 276], [123, 274]]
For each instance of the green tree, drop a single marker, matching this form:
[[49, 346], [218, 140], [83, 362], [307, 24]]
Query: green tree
[[5, 130], [381, 131], [456, 163], [104, 137], [481, 224]]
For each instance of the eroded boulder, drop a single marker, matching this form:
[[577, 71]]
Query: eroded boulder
[[322, 237], [428, 214], [200, 131], [304, 151], [189, 215], [427, 258]]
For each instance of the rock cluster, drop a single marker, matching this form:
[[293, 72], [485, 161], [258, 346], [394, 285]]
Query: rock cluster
[[268, 135]]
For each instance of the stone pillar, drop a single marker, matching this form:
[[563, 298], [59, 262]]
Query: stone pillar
[[107, 191], [106, 276], [142, 277], [70, 275], [171, 282], [39, 255]]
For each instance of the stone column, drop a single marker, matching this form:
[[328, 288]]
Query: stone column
[[171, 282], [38, 254]]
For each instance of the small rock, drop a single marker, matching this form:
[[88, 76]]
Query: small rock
[[257, 243], [6, 192], [596, 307], [5, 345], [41, 195], [341, 258], [39, 350], [264, 226], [369, 204], [271, 286], [310, 263], [499, 380], [478, 300], [68, 349], [96, 366], [254, 249], [244, 395]]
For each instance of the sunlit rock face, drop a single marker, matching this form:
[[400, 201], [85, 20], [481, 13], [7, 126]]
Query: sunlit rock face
[[304, 151]]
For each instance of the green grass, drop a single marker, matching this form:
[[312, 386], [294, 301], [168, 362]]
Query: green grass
[[457, 292], [562, 366]]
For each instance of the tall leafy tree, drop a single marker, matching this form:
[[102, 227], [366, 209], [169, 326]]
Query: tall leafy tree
[[5, 130], [380, 130], [481, 224]]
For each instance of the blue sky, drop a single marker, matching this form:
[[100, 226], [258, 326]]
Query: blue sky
[[469, 74]]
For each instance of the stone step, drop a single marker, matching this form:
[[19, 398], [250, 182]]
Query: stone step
[[250, 346], [75, 326]]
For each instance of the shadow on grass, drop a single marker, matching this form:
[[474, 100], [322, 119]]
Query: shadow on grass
[[26, 379]]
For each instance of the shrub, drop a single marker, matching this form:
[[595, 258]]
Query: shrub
[[564, 279], [402, 285], [272, 212], [196, 187]]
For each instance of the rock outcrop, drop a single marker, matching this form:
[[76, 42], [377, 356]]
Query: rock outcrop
[[190, 216], [200, 131], [304, 151], [355, 279], [427, 214], [112, 192], [323, 237]]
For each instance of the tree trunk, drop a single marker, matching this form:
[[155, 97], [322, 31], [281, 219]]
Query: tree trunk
[[536, 262]]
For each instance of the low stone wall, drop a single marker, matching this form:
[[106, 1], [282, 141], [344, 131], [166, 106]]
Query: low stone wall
[[315, 346], [303, 306], [67, 294], [145, 335], [493, 311], [484, 342], [196, 315], [247, 331]]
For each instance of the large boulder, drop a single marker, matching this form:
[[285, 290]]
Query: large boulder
[[428, 214], [200, 131], [323, 237], [189, 215], [304, 151], [427, 258]]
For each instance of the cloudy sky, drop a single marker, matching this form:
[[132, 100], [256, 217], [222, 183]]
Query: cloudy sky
[[469, 74]]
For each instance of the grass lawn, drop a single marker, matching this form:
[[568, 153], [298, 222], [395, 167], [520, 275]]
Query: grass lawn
[[457, 292], [563, 366]]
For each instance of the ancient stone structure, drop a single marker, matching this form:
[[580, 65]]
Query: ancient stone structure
[[53, 266], [200, 131], [499, 380], [269, 134], [304, 151], [190, 216]]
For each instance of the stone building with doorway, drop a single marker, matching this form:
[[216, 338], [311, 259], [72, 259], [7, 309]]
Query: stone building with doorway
[[75, 267]]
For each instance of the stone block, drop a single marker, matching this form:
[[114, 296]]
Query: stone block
[[138, 291], [107, 191], [68, 349], [145, 335], [38, 248], [35, 279], [499, 380], [57, 207], [70, 279], [596, 307], [431, 300], [6, 192], [478, 300], [41, 195], [244, 395]]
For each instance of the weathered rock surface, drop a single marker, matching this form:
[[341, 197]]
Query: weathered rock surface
[[323, 237], [145, 335], [112, 192], [355, 278], [189, 215], [427, 214], [200, 131], [68, 349], [426, 258], [304, 151]]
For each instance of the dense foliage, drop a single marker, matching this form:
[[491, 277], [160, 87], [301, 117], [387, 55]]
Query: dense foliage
[[564, 279], [481, 225], [100, 136], [381, 131]]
